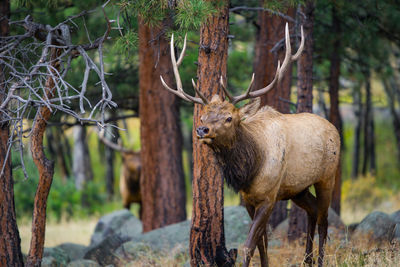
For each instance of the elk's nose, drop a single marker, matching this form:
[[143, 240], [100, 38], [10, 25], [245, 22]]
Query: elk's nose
[[202, 131]]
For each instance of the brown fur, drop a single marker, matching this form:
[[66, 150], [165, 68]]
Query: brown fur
[[268, 156], [129, 185]]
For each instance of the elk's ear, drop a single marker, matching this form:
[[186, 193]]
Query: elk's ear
[[250, 108]]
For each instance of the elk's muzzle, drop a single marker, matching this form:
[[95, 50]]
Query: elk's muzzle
[[202, 131]]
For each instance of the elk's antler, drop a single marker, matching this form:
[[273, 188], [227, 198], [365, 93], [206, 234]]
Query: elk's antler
[[179, 91], [280, 71]]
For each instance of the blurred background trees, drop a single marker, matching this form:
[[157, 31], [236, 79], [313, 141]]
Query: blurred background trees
[[355, 83]]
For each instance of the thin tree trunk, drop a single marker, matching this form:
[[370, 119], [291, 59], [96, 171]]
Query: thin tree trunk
[[56, 150], [162, 182], [207, 236], [46, 172], [369, 143], [334, 113], [357, 133], [109, 155], [297, 216], [389, 89], [10, 242], [81, 164], [271, 30]]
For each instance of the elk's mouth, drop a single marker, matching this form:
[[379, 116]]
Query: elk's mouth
[[205, 140]]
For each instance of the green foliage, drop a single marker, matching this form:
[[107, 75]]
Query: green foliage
[[191, 14], [64, 200], [127, 42]]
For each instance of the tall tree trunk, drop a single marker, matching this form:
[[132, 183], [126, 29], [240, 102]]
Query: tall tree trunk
[[162, 182], [56, 150], [207, 236], [10, 242], [389, 89], [270, 31], [112, 134], [369, 163], [334, 113], [46, 172], [81, 165], [358, 110], [297, 216]]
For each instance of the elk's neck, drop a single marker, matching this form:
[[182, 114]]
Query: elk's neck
[[240, 161]]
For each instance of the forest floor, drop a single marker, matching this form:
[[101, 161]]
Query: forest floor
[[73, 231]]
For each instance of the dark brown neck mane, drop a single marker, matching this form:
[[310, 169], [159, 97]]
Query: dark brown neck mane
[[241, 161]]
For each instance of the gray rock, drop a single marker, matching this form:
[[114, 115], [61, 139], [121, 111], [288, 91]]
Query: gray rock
[[237, 224], [376, 227], [335, 226], [121, 222], [83, 263], [395, 216], [132, 250], [50, 261], [103, 253], [58, 254], [74, 251]]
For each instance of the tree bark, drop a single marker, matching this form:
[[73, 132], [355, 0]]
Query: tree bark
[[271, 30], [207, 236], [297, 216], [46, 172], [357, 133], [369, 161], [10, 242], [162, 182], [389, 89], [56, 150], [81, 164], [334, 112], [109, 155]]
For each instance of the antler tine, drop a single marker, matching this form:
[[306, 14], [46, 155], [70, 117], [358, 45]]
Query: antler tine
[[246, 95], [179, 90], [183, 51], [301, 47], [199, 92], [280, 70], [221, 81]]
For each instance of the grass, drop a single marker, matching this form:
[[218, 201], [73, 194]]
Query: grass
[[74, 231]]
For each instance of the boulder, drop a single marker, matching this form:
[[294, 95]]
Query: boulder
[[73, 251], [103, 253], [237, 224], [121, 222], [83, 263], [376, 227], [58, 254], [50, 261], [395, 216], [335, 226]]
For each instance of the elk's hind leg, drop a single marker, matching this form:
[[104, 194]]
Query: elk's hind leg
[[324, 195], [307, 201]]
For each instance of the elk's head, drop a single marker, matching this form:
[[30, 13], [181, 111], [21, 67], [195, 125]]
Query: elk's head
[[220, 118]]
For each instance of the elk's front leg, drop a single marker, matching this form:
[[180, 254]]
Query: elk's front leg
[[257, 230]]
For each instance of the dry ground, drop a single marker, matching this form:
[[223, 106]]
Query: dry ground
[[77, 232]]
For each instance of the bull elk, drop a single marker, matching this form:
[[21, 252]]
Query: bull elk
[[269, 156], [129, 182]]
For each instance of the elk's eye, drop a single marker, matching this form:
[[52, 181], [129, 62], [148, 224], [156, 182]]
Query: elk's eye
[[229, 119]]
